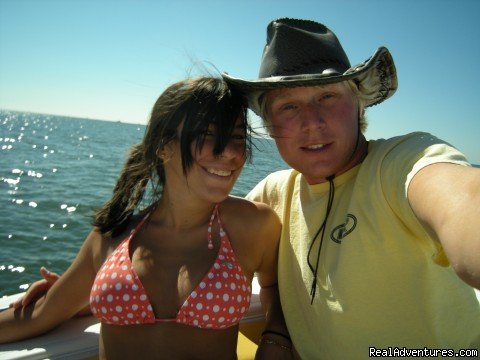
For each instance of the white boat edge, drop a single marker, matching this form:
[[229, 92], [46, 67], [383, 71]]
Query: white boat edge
[[78, 337]]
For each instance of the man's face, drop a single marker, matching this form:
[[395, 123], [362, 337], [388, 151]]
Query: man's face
[[315, 128]]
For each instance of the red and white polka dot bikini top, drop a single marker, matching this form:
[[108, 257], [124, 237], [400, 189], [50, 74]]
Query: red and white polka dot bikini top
[[220, 300]]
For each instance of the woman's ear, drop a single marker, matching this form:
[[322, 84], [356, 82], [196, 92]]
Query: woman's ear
[[164, 153]]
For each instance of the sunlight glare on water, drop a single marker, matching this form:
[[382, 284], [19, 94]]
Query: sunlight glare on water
[[53, 172]]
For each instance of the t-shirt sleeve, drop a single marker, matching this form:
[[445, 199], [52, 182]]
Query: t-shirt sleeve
[[402, 162], [273, 190], [259, 192]]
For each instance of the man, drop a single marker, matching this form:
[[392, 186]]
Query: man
[[377, 235]]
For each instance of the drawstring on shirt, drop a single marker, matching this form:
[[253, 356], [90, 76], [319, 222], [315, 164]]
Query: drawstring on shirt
[[331, 195]]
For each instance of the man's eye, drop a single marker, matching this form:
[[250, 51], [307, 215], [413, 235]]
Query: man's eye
[[327, 96], [289, 107]]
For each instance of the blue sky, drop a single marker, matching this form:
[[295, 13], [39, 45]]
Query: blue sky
[[110, 60]]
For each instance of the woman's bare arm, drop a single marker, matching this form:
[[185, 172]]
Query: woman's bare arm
[[275, 343], [62, 301]]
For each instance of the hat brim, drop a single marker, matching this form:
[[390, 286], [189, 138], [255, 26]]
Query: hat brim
[[376, 78]]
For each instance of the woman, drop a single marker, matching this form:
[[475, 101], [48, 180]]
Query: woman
[[174, 280]]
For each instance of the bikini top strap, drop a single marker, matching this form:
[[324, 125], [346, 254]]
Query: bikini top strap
[[210, 224], [139, 225]]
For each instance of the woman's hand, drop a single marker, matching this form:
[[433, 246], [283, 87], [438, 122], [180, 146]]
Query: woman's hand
[[37, 289], [40, 288], [55, 299]]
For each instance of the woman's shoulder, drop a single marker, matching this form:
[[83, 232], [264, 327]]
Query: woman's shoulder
[[253, 228], [250, 215], [246, 207]]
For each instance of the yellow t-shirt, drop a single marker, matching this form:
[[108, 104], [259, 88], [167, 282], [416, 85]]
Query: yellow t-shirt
[[382, 281]]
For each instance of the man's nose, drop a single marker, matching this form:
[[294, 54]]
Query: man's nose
[[312, 117]]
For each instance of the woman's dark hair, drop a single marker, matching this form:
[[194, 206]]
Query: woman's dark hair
[[197, 103]]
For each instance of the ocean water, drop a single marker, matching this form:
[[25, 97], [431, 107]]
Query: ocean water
[[53, 172]]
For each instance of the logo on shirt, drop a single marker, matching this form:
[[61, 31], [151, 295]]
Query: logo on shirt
[[340, 231]]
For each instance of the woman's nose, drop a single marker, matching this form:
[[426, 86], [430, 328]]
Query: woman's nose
[[234, 149]]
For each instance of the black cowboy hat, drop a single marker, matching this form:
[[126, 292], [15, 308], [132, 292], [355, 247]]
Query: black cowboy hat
[[307, 53]]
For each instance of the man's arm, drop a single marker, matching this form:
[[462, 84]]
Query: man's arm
[[446, 199]]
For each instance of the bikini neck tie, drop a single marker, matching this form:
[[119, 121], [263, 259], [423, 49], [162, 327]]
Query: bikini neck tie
[[210, 223], [331, 195]]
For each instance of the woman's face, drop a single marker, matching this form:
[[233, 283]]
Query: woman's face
[[211, 177]]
